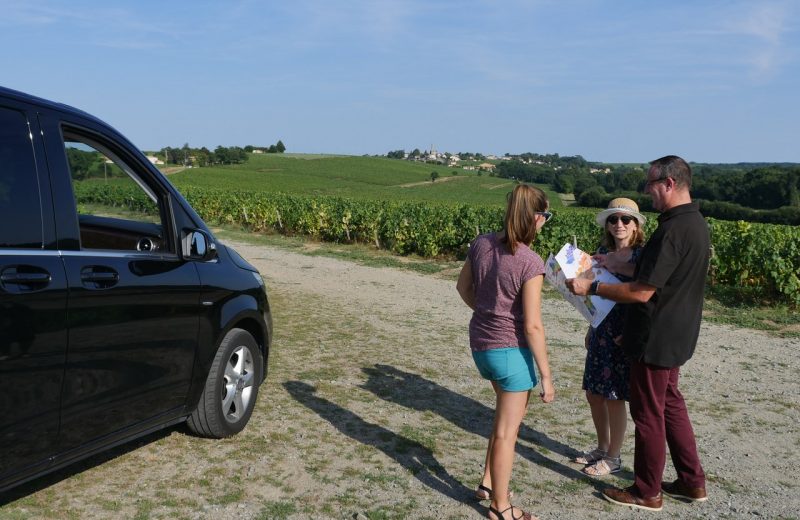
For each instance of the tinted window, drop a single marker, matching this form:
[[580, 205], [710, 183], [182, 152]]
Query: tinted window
[[117, 210], [20, 202]]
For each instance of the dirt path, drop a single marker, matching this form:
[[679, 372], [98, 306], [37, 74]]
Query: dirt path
[[373, 409], [741, 387], [424, 183]]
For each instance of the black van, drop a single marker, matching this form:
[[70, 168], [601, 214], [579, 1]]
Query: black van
[[114, 322]]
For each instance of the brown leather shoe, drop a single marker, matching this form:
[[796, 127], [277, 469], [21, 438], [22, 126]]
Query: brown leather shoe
[[678, 489], [630, 497]]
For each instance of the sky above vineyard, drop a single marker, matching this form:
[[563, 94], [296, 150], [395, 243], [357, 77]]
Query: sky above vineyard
[[612, 80]]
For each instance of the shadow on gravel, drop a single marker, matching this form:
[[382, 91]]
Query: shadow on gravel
[[416, 392], [409, 453]]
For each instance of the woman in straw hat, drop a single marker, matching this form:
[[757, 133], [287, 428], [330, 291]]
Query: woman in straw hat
[[605, 376]]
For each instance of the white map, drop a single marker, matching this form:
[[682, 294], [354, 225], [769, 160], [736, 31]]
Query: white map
[[571, 262]]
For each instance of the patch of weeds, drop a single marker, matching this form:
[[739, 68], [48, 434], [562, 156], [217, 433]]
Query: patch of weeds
[[231, 497], [575, 486], [730, 306], [430, 373], [784, 404], [276, 510], [143, 509], [721, 410], [747, 366], [400, 510], [346, 499], [318, 464], [384, 479], [167, 500], [321, 374], [727, 485], [410, 436], [16, 515], [109, 505]]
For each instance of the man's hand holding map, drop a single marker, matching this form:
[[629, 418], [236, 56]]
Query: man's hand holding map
[[571, 262]]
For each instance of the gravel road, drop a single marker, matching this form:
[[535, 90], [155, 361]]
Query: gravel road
[[372, 409]]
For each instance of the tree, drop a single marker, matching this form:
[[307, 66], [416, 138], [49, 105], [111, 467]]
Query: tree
[[564, 183], [593, 197], [280, 147], [221, 155], [434, 176], [582, 183]]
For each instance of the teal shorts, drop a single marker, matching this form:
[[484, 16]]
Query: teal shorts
[[511, 367]]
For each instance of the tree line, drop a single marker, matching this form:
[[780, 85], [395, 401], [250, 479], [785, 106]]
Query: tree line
[[756, 192], [199, 157]]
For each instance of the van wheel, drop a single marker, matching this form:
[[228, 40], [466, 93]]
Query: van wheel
[[231, 388]]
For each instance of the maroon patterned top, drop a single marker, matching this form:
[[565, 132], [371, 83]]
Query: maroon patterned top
[[497, 278]]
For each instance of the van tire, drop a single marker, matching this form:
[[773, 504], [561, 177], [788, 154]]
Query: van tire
[[231, 388]]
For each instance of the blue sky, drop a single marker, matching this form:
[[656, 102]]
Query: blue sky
[[612, 80]]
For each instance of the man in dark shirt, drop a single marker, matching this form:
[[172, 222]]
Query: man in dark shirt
[[661, 330]]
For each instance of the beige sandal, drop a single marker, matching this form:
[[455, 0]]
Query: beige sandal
[[604, 466], [590, 457]]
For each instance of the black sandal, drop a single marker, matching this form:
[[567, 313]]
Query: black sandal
[[483, 492], [502, 516]]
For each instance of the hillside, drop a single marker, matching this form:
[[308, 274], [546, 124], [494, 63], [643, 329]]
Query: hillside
[[374, 178]]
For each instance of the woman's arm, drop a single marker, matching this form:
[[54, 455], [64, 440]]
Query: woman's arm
[[534, 333], [464, 285]]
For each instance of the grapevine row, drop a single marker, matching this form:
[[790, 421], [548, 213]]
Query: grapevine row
[[764, 258]]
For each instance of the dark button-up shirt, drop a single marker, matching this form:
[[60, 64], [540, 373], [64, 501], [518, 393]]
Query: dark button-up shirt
[[664, 330]]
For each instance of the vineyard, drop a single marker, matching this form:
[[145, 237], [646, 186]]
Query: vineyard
[[762, 259]]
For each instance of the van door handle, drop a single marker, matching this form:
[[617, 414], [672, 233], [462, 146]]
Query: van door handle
[[24, 278], [99, 277]]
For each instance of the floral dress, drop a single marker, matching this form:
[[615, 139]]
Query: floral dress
[[607, 370]]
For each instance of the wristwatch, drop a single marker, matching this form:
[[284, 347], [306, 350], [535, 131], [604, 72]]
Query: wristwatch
[[593, 287]]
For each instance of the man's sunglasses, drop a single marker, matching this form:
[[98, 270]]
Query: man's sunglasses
[[613, 219]]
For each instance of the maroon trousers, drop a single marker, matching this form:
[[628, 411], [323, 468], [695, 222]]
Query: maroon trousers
[[659, 413]]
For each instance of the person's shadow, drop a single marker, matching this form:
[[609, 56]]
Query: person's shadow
[[416, 392], [416, 458]]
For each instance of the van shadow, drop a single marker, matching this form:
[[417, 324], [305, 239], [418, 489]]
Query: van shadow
[[39, 483], [413, 456], [418, 393]]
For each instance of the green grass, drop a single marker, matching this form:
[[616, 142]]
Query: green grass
[[724, 306], [354, 177]]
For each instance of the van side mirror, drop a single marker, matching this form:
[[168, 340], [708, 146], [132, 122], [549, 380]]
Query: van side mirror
[[197, 245]]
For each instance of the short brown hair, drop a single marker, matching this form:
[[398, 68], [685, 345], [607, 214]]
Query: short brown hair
[[520, 220], [675, 167]]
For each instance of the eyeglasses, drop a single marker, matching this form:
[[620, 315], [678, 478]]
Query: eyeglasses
[[626, 219], [546, 214], [653, 181]]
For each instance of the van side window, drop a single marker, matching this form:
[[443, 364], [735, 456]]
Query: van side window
[[117, 210], [20, 200]]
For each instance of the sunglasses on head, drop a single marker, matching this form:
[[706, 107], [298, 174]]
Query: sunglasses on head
[[626, 219]]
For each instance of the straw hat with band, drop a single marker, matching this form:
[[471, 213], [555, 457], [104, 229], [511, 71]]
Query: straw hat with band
[[620, 205]]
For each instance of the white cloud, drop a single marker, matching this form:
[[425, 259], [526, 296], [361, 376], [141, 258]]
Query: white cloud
[[767, 23]]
